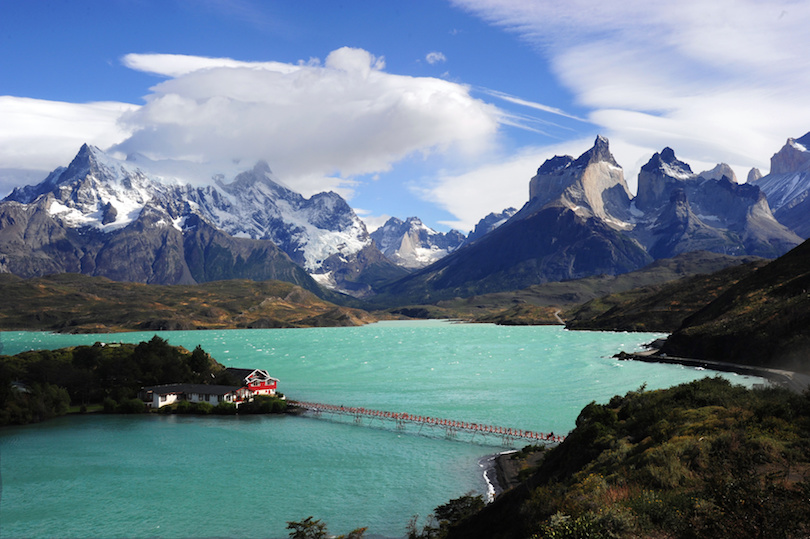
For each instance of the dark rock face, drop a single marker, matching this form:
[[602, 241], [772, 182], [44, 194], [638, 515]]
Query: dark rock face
[[554, 244], [761, 320], [143, 251]]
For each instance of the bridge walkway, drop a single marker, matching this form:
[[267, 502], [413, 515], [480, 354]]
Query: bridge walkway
[[451, 427]]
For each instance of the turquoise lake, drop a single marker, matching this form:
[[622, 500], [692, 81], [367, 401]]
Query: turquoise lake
[[180, 476]]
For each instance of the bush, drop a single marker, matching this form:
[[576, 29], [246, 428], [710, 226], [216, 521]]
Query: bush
[[131, 406], [110, 405], [263, 404], [224, 408]]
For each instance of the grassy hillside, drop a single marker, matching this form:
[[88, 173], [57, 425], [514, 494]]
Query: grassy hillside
[[762, 320], [660, 307], [78, 303], [703, 459]]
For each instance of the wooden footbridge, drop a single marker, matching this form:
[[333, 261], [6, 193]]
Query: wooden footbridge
[[451, 428]]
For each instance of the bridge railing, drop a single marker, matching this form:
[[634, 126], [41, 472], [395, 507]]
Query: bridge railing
[[451, 426]]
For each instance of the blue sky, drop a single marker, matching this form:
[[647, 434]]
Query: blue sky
[[438, 109]]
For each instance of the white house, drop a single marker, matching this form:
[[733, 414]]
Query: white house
[[157, 396], [254, 382]]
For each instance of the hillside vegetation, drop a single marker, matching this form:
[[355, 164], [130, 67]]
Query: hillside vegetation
[[538, 304], [661, 307], [702, 459], [762, 320], [82, 304]]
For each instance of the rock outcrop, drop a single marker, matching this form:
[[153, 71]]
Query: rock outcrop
[[411, 244], [787, 186], [489, 223]]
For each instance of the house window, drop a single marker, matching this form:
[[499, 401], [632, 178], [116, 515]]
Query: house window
[[163, 398], [207, 397], [255, 383], [219, 398]]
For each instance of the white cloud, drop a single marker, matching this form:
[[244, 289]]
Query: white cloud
[[372, 222], [177, 65], [37, 136], [435, 58], [337, 119], [716, 81]]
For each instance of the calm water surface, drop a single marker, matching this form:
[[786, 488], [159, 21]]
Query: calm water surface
[[117, 476]]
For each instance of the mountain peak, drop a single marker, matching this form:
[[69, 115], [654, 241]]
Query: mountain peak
[[793, 157], [600, 152], [262, 167], [669, 165], [556, 163], [83, 162], [804, 140], [719, 172]]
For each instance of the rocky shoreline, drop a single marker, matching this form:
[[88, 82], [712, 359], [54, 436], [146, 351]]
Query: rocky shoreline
[[507, 468]]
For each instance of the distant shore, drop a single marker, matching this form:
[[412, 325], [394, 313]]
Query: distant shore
[[795, 381]]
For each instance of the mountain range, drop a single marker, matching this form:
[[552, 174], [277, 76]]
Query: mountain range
[[132, 221], [581, 220], [176, 223]]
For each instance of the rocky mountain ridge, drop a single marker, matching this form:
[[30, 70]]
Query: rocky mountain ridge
[[411, 244], [787, 186], [100, 204], [581, 220]]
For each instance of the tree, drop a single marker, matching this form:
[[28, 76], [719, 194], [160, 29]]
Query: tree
[[307, 529], [199, 363]]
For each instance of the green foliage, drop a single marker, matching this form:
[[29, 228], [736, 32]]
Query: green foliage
[[224, 408], [703, 459], [131, 406], [34, 403], [263, 404], [307, 529], [109, 374], [446, 516], [315, 529]]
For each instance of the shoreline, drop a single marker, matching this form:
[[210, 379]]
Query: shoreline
[[794, 381], [502, 470], [495, 474]]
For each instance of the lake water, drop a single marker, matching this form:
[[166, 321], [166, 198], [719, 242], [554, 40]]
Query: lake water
[[173, 476]]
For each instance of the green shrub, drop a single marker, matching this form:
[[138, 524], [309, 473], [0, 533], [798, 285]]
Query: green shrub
[[110, 406], [224, 408], [183, 407], [131, 406], [202, 408]]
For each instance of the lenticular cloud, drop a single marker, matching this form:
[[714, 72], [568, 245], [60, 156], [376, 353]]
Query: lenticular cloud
[[343, 116]]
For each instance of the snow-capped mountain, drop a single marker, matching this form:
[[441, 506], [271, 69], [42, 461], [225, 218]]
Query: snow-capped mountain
[[581, 220], [788, 185], [489, 223], [411, 244], [677, 211], [101, 194]]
